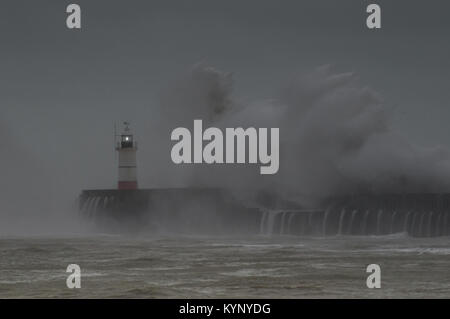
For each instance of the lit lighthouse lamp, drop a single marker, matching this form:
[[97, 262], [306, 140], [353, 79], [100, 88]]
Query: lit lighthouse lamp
[[127, 148]]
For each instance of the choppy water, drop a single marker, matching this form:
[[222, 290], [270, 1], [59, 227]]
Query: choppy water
[[197, 267]]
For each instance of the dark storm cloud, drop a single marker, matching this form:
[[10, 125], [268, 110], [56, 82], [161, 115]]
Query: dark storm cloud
[[135, 45]]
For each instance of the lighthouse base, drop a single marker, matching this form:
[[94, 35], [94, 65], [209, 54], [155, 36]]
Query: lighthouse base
[[127, 185], [179, 210]]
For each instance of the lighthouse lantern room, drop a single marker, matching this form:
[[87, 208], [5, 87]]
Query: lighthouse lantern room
[[127, 147]]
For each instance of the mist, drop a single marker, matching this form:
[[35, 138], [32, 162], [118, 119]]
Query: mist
[[336, 136], [30, 202]]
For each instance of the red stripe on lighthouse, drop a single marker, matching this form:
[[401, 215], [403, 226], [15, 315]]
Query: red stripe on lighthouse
[[128, 185]]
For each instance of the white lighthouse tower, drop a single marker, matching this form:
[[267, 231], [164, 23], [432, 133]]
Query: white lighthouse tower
[[127, 147]]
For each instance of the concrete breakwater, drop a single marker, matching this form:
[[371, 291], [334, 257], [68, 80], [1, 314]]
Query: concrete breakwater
[[216, 211]]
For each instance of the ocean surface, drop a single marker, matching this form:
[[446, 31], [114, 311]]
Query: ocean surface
[[218, 267]]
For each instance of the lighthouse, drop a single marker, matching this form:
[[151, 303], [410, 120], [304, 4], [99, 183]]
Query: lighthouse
[[127, 147]]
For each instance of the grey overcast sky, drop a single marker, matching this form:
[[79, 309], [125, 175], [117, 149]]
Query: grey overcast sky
[[60, 89]]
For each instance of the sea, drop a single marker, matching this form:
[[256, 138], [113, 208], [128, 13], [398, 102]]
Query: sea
[[175, 266]]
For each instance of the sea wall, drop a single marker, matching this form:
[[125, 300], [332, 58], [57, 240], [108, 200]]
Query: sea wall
[[216, 211]]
